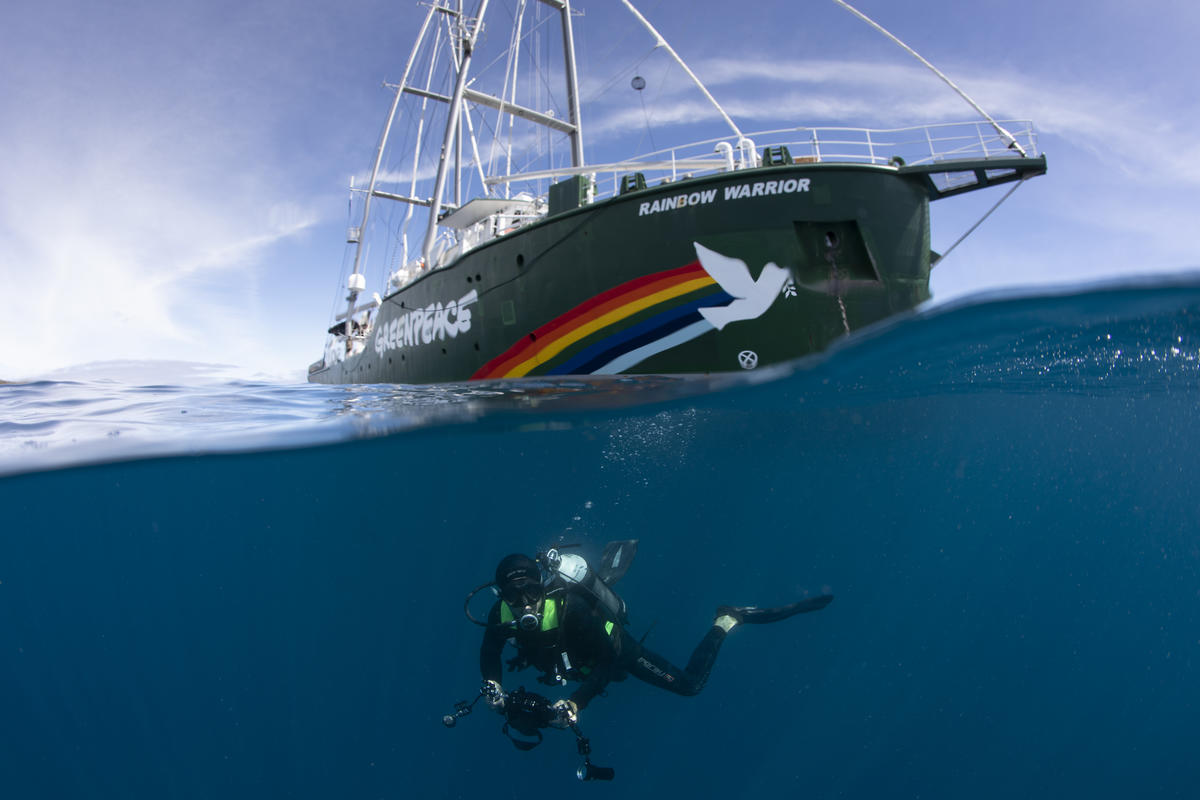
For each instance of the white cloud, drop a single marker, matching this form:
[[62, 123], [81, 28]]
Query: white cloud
[[154, 164], [108, 254]]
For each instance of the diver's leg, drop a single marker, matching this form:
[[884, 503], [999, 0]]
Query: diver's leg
[[646, 665], [652, 668], [753, 615]]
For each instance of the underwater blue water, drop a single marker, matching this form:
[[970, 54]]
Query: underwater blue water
[[231, 589]]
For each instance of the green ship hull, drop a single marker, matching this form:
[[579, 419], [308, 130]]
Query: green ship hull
[[720, 273]]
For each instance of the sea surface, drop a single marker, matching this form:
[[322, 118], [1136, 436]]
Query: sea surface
[[216, 588]]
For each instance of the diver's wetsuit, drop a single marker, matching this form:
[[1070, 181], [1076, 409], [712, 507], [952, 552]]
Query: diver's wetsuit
[[597, 653]]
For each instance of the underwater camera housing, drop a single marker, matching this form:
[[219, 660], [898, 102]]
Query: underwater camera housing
[[527, 713]]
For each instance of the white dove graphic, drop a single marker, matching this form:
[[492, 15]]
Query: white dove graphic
[[751, 298]]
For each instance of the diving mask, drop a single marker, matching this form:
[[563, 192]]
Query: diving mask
[[523, 596]]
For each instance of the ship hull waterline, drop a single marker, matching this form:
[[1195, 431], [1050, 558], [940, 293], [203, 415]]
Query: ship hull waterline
[[715, 274]]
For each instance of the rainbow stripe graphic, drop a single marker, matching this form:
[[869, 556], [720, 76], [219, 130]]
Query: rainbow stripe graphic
[[616, 329]]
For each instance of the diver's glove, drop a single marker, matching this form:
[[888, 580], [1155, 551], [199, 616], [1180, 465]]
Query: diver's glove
[[493, 695], [566, 713]]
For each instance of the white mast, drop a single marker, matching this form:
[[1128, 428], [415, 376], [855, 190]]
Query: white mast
[[457, 110], [416, 156], [439, 184], [507, 96], [461, 43], [572, 86], [355, 284]]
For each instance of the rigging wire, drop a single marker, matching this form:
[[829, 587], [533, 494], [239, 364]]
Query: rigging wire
[[617, 46], [660, 88], [542, 74], [359, 255], [395, 253], [421, 143], [646, 118], [477, 163], [496, 60], [663, 43], [518, 17], [971, 230], [512, 119], [662, 82], [631, 67], [1013, 144]]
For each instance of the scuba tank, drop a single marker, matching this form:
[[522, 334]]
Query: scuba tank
[[573, 569]]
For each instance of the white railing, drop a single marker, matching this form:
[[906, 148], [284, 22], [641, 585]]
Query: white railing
[[918, 145], [925, 144]]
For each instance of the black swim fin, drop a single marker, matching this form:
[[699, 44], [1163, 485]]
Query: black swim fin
[[616, 559], [753, 615]]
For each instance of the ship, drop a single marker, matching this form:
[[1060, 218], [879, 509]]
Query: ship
[[721, 255]]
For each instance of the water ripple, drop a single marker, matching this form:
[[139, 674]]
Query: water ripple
[[1130, 340]]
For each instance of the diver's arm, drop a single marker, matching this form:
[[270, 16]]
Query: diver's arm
[[494, 638]]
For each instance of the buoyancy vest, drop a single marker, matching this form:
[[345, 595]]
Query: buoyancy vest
[[550, 654], [549, 614]]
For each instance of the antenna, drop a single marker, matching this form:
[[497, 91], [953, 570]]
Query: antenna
[[1012, 141]]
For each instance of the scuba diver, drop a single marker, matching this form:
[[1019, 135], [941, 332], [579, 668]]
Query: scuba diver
[[567, 623]]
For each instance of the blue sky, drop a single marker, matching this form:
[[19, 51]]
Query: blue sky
[[174, 174]]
